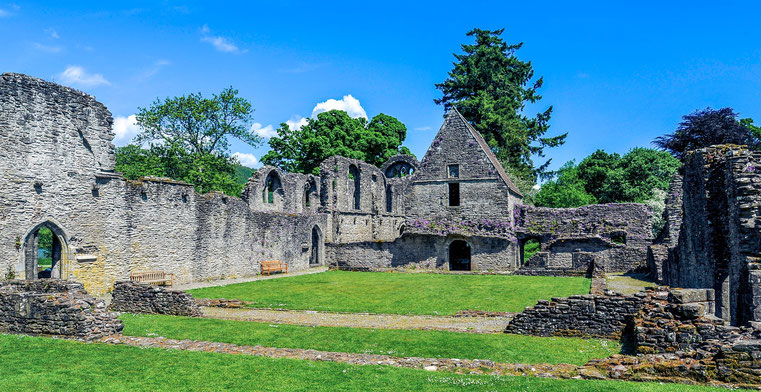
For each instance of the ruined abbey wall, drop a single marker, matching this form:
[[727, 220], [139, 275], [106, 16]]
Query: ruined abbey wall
[[57, 170], [718, 245], [608, 237]]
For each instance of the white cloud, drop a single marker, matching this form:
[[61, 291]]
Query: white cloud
[[52, 33], [46, 48], [222, 44], [125, 129], [245, 159], [265, 132], [425, 128], [348, 104], [75, 75], [296, 122]]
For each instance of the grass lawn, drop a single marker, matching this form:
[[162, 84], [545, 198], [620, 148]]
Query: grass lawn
[[402, 343], [44, 364], [399, 293]]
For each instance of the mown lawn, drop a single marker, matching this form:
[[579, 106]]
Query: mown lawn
[[401, 343], [399, 293], [44, 364]]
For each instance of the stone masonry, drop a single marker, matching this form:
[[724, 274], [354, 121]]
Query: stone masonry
[[453, 209], [134, 297], [54, 307]]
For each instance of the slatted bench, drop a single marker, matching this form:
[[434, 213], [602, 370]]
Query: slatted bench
[[152, 277], [274, 265]]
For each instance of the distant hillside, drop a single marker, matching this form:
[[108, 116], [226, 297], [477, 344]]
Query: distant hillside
[[242, 174]]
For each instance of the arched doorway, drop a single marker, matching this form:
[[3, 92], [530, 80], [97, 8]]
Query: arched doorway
[[44, 251], [314, 257], [459, 256]]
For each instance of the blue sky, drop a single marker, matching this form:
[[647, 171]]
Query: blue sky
[[618, 74]]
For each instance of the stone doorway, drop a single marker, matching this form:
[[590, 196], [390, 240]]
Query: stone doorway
[[44, 250], [459, 256], [315, 256]]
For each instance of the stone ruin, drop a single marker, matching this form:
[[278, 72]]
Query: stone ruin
[[54, 307], [455, 209]]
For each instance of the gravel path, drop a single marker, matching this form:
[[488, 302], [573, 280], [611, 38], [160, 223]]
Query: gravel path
[[225, 282], [361, 320]]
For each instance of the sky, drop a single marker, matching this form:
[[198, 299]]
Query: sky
[[618, 74]]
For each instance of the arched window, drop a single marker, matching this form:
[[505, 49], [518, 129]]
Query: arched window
[[389, 199], [315, 256], [273, 189], [354, 178]]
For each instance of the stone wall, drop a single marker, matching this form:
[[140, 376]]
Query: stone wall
[[614, 237], [54, 307], [587, 315], [719, 241], [423, 251], [134, 297], [57, 168]]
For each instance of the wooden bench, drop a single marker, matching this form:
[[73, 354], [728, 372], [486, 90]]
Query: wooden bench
[[152, 277], [274, 265]]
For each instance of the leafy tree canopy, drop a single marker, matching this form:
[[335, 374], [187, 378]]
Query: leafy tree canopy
[[335, 133], [565, 191], [490, 86], [208, 172], [706, 128], [187, 139], [642, 176]]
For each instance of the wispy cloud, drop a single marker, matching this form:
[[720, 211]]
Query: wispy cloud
[[153, 70], [219, 42], [125, 129], [75, 75], [425, 128], [246, 159], [4, 13], [300, 68], [52, 33], [47, 48]]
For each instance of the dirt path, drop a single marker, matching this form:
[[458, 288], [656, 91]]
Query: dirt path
[[360, 320], [446, 364], [225, 282]]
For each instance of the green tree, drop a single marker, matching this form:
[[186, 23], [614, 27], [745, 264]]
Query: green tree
[[490, 86], [335, 133], [645, 170], [208, 172], [187, 139], [595, 170], [565, 191]]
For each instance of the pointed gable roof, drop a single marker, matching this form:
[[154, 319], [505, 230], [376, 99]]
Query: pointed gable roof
[[454, 115]]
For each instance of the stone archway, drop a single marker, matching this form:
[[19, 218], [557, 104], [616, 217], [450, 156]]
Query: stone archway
[[315, 257], [459, 256], [45, 251]]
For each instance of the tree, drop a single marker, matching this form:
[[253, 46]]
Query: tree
[[566, 191], [196, 124], [706, 128], [208, 172], [490, 86], [187, 139], [595, 171], [302, 150]]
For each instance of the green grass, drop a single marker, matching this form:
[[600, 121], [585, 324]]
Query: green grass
[[402, 343], [43, 364], [399, 293], [530, 248]]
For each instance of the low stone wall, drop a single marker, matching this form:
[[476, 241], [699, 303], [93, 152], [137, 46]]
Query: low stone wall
[[54, 307], [587, 315], [143, 298]]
